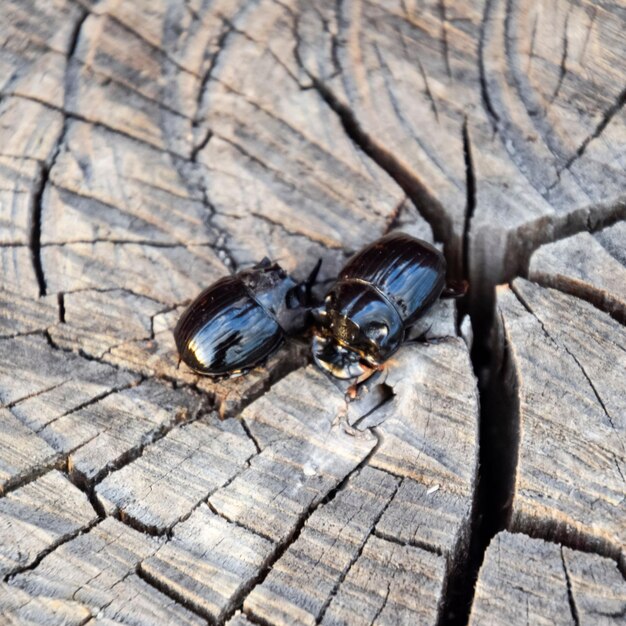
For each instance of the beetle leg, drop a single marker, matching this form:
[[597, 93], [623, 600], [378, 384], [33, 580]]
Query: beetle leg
[[454, 289], [352, 391]]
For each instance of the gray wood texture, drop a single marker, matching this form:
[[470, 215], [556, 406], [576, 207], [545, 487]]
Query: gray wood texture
[[149, 148], [524, 580], [38, 516], [592, 267], [570, 364]]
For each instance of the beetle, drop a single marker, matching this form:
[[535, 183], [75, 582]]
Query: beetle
[[378, 296], [240, 320]]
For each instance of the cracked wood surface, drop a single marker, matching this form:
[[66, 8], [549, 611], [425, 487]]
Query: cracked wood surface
[[569, 364], [148, 148], [531, 581], [589, 266]]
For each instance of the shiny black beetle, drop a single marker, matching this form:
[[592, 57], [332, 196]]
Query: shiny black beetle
[[237, 322], [378, 296]]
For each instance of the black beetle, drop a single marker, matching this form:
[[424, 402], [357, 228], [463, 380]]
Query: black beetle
[[378, 296], [237, 322]]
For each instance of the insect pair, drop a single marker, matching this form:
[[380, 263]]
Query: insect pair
[[378, 296]]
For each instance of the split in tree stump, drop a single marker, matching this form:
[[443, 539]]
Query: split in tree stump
[[149, 148]]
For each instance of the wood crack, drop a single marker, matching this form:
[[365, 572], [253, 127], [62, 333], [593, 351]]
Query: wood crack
[[297, 530], [51, 548], [444, 36], [482, 73], [359, 552], [427, 204], [561, 345], [611, 112], [73, 115], [422, 545], [149, 43], [206, 77], [563, 64], [382, 606], [35, 229], [470, 206], [91, 401], [169, 592], [570, 595]]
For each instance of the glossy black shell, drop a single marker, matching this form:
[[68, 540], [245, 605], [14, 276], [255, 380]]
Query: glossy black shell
[[225, 330], [409, 272], [378, 296]]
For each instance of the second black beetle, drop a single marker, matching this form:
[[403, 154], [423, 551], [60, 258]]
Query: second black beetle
[[240, 320], [378, 296]]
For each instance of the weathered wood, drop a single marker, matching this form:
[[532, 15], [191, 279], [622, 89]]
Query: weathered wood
[[389, 583], [22, 315], [98, 321], [302, 582], [22, 452], [287, 479], [19, 607], [530, 581], [106, 433], [42, 384], [436, 89], [208, 563], [598, 590], [148, 148], [592, 267], [172, 476], [569, 363], [38, 516], [239, 620], [97, 569]]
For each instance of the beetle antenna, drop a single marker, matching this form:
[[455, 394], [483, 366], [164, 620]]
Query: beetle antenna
[[263, 264], [310, 281]]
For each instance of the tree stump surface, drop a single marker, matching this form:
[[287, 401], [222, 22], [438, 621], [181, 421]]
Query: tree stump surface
[[149, 148]]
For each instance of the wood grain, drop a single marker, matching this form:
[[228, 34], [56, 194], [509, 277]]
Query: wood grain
[[176, 473], [22, 452], [41, 384], [525, 580], [19, 607], [592, 267], [209, 563], [150, 148], [389, 583], [39, 516], [445, 94], [22, 315], [302, 582], [109, 432], [97, 569], [569, 360]]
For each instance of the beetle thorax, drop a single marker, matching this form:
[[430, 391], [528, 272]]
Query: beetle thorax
[[361, 317], [357, 329]]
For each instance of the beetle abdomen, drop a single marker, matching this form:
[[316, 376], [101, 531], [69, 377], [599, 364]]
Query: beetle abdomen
[[225, 330], [409, 272]]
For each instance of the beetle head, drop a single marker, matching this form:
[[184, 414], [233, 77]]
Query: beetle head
[[339, 360], [357, 330]]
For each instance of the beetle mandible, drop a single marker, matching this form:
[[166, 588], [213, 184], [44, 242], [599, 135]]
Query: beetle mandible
[[240, 320], [379, 294]]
